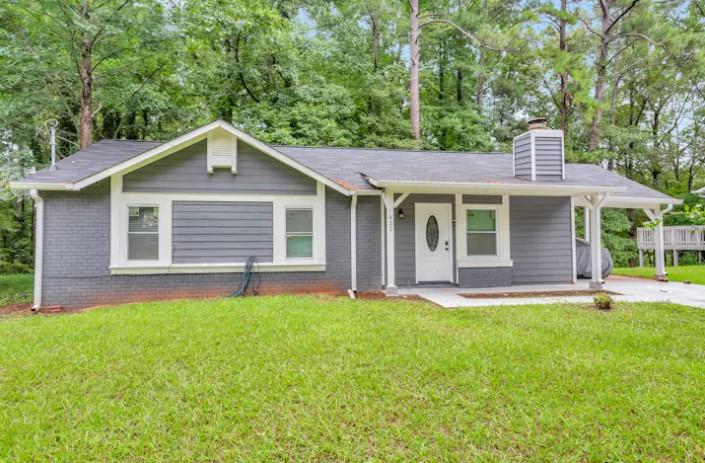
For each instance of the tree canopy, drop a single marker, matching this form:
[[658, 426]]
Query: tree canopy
[[623, 78]]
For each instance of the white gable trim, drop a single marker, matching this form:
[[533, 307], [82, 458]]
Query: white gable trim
[[193, 137]]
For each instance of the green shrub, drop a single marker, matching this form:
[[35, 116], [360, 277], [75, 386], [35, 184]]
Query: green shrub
[[10, 268], [603, 301]]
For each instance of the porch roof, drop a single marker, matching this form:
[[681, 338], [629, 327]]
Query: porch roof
[[364, 169]]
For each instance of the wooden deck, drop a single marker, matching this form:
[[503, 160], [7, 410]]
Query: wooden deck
[[681, 238]]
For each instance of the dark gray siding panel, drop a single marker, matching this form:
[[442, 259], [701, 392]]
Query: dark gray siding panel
[[549, 158], [220, 231], [404, 237], [484, 277], [369, 244], [541, 240], [522, 156], [185, 171], [77, 257]]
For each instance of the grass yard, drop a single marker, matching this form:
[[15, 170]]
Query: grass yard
[[692, 273], [15, 290], [330, 379]]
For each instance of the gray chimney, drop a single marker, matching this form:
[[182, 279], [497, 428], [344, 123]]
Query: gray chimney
[[538, 153]]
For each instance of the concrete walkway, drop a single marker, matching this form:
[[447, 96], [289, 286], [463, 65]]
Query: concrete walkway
[[629, 289]]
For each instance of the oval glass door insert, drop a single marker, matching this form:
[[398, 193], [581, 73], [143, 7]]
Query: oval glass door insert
[[432, 233]]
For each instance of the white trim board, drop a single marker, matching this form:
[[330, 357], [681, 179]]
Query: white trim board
[[120, 201]]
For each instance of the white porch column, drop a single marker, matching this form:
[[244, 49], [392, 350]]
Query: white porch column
[[594, 207], [659, 251], [586, 219], [675, 257], [596, 247], [391, 288], [641, 257]]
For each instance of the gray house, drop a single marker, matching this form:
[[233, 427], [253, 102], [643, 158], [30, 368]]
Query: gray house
[[132, 220]]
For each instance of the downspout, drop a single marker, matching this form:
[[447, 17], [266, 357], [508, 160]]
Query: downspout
[[38, 249], [353, 246]]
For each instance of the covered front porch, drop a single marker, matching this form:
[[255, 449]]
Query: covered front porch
[[484, 237]]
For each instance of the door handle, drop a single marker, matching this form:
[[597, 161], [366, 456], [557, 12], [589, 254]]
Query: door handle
[[447, 246]]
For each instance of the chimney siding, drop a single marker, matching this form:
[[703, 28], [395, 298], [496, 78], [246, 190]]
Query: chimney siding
[[522, 156], [538, 155]]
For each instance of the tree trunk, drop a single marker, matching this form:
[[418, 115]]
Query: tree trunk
[[480, 90], [565, 96], [599, 95], [459, 86], [414, 100], [85, 124], [601, 75]]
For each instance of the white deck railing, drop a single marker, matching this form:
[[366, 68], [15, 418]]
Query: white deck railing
[[680, 238]]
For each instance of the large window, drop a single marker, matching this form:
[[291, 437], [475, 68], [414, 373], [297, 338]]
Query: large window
[[143, 233], [299, 232], [481, 233]]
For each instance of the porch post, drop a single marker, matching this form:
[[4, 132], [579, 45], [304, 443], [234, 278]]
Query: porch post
[[586, 219], [641, 257], [659, 249], [675, 257], [391, 288], [596, 244]]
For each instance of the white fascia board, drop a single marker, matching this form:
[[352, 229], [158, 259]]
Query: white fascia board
[[40, 186], [196, 135], [627, 202], [496, 188]]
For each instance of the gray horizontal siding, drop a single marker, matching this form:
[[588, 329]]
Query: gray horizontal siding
[[484, 277], [549, 158], [185, 171], [541, 240], [218, 232], [522, 156]]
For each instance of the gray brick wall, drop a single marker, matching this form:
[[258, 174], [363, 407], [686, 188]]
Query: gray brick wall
[[77, 257], [484, 277]]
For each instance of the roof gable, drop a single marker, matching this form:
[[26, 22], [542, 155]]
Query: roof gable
[[75, 179]]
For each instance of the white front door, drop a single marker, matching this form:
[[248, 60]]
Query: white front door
[[434, 248]]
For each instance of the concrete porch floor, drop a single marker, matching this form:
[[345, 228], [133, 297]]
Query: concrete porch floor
[[629, 289]]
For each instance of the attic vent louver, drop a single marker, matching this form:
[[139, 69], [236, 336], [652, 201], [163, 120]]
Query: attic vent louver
[[222, 151]]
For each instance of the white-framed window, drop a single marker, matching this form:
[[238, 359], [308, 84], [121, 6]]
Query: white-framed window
[[481, 232], [299, 232], [143, 233]]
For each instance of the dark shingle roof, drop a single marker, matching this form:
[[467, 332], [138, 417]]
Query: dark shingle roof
[[349, 166], [92, 160]]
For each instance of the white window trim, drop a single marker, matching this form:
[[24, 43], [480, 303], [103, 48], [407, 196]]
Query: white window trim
[[119, 264], [502, 259]]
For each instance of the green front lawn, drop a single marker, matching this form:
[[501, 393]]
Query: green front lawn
[[330, 379], [692, 273]]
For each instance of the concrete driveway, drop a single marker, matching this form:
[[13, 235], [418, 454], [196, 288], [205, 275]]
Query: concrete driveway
[[628, 289]]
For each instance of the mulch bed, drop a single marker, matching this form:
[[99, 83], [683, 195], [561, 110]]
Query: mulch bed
[[518, 294], [20, 308]]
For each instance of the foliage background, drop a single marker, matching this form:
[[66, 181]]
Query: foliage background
[[315, 72]]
